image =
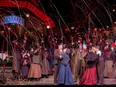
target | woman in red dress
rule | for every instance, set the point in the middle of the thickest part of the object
(90, 75)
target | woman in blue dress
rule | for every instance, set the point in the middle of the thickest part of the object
(64, 73)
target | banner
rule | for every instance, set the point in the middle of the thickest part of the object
(12, 20)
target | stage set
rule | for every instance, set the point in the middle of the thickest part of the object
(63, 42)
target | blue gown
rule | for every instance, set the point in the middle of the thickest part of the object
(64, 72)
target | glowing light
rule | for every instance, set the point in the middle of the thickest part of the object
(13, 20)
(2, 31)
(114, 10)
(16, 43)
(107, 26)
(27, 15)
(9, 28)
(115, 22)
(95, 29)
(72, 28)
(99, 29)
(48, 26)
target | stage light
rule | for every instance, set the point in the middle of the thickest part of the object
(72, 28)
(9, 28)
(16, 43)
(99, 29)
(48, 26)
(95, 29)
(107, 26)
(2, 31)
(27, 15)
(114, 10)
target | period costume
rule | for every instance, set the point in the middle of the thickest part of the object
(35, 68)
(56, 63)
(64, 73)
(51, 61)
(51, 57)
(100, 67)
(25, 65)
(80, 63)
(113, 57)
(73, 62)
(17, 63)
(90, 75)
(108, 71)
(45, 64)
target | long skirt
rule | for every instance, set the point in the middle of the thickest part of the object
(89, 77)
(115, 70)
(35, 71)
(25, 70)
(45, 67)
(73, 67)
(79, 69)
(65, 75)
(55, 73)
(83, 68)
(51, 64)
(100, 71)
(51, 61)
(108, 71)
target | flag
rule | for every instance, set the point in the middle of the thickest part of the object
(84, 45)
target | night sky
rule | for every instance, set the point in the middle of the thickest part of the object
(68, 11)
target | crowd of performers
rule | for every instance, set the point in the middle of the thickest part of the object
(32, 64)
(88, 64)
(72, 62)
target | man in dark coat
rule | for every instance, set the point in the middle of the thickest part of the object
(113, 57)
(57, 53)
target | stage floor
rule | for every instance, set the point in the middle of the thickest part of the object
(43, 81)
(50, 81)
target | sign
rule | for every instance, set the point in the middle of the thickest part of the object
(12, 20)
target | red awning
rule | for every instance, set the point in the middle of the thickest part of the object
(25, 4)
